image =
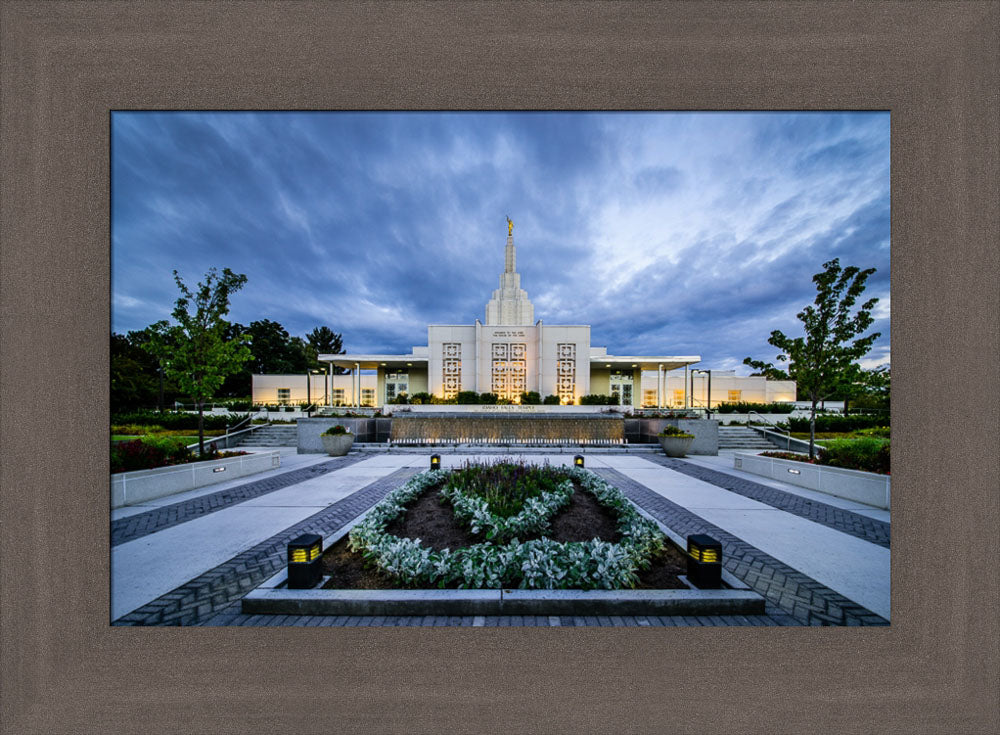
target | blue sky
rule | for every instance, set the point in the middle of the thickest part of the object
(668, 233)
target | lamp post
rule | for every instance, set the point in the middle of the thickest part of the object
(708, 395)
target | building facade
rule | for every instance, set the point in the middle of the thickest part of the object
(511, 354)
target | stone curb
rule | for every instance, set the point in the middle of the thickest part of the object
(502, 602)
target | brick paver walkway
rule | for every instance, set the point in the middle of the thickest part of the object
(142, 524)
(213, 598)
(800, 596)
(214, 590)
(845, 521)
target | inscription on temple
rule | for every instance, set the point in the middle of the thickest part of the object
(509, 333)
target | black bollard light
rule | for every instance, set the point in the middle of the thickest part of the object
(704, 563)
(304, 562)
(578, 460)
(435, 461)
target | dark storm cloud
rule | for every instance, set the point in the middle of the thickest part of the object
(669, 234)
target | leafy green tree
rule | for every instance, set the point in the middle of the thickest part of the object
(136, 380)
(195, 352)
(324, 341)
(825, 359)
(271, 348)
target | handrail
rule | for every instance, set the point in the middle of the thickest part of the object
(238, 424)
(212, 442)
(786, 432)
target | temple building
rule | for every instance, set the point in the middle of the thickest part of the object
(510, 354)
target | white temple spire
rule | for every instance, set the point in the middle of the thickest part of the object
(510, 304)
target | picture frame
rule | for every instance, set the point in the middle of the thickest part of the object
(67, 65)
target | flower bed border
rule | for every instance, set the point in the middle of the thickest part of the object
(538, 564)
(273, 597)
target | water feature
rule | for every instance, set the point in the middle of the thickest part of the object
(599, 429)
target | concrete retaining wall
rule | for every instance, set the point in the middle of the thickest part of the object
(364, 430)
(129, 488)
(706, 433)
(869, 488)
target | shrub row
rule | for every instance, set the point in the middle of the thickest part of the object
(851, 422)
(149, 452)
(745, 407)
(174, 419)
(869, 454)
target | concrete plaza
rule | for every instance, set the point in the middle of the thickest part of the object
(188, 559)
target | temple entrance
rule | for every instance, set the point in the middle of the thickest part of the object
(622, 383)
(395, 383)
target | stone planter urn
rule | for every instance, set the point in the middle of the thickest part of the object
(337, 445)
(676, 446)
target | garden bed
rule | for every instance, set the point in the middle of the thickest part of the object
(572, 546)
(433, 523)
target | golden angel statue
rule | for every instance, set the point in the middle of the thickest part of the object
(510, 227)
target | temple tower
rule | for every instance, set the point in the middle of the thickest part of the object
(510, 304)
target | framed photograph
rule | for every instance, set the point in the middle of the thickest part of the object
(920, 80)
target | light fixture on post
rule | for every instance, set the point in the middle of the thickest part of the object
(578, 460)
(304, 561)
(704, 562)
(435, 461)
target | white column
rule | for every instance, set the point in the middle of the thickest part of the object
(686, 397)
(659, 380)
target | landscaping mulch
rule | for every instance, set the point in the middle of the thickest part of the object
(434, 523)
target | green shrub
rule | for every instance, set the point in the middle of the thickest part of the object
(467, 397)
(747, 407)
(174, 419)
(869, 454)
(835, 423)
(670, 430)
(335, 431)
(551, 400)
(487, 399)
(420, 398)
(531, 398)
(598, 399)
(148, 452)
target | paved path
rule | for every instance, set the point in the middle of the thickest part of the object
(191, 565)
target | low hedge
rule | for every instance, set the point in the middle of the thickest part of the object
(175, 419)
(868, 454)
(746, 407)
(150, 452)
(851, 422)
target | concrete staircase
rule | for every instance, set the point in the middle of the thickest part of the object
(742, 437)
(275, 435)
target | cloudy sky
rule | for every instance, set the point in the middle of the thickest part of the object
(668, 233)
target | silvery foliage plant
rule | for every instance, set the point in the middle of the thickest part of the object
(535, 564)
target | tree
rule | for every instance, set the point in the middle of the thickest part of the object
(825, 359)
(136, 380)
(324, 341)
(195, 352)
(269, 343)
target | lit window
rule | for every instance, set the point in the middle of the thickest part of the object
(679, 397)
(735, 396)
(367, 396)
(338, 396)
(284, 395)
